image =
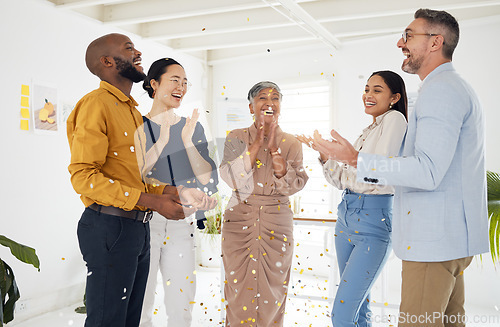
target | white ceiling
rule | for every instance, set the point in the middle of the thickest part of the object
(222, 29)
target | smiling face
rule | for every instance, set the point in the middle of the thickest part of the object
(378, 96)
(268, 103)
(128, 59)
(417, 47)
(171, 87)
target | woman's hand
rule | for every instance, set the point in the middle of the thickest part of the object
(188, 129)
(272, 143)
(309, 141)
(195, 198)
(164, 133)
(337, 149)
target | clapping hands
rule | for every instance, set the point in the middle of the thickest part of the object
(337, 148)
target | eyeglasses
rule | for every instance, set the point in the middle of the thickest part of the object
(407, 34)
(185, 84)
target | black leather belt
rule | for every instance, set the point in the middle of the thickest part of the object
(138, 215)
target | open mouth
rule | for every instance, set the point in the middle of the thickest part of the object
(177, 95)
(137, 61)
(268, 111)
(370, 104)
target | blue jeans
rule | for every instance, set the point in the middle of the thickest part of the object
(362, 243)
(116, 251)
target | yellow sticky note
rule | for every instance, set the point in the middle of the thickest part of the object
(25, 125)
(25, 113)
(25, 102)
(25, 90)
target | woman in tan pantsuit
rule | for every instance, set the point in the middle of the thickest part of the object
(263, 165)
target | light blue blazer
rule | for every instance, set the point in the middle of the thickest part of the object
(440, 207)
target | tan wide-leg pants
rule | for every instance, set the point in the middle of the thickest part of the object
(433, 294)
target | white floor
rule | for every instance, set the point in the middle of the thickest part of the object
(301, 311)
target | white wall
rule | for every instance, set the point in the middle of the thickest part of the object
(352, 65)
(41, 209)
(39, 206)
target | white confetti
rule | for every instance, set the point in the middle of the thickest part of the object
(124, 298)
(126, 134)
(278, 264)
(211, 180)
(116, 153)
(111, 181)
(132, 148)
(91, 185)
(126, 193)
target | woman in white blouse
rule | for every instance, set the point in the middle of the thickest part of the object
(363, 229)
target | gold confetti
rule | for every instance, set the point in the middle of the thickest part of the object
(409, 247)
(203, 29)
(244, 308)
(63, 258)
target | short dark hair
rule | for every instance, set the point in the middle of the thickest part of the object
(445, 21)
(397, 85)
(158, 68)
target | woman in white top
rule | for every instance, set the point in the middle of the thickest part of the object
(363, 229)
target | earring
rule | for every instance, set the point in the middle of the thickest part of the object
(154, 93)
(390, 106)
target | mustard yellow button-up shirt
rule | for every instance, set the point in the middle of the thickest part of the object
(104, 163)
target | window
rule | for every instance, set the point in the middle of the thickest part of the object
(303, 110)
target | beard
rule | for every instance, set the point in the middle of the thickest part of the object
(412, 66)
(128, 70)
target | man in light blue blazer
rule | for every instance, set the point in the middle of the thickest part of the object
(440, 208)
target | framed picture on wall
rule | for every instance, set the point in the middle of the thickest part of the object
(45, 108)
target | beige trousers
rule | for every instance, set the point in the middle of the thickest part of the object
(433, 294)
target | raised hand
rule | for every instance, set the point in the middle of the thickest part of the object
(337, 149)
(164, 133)
(272, 144)
(307, 140)
(188, 129)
